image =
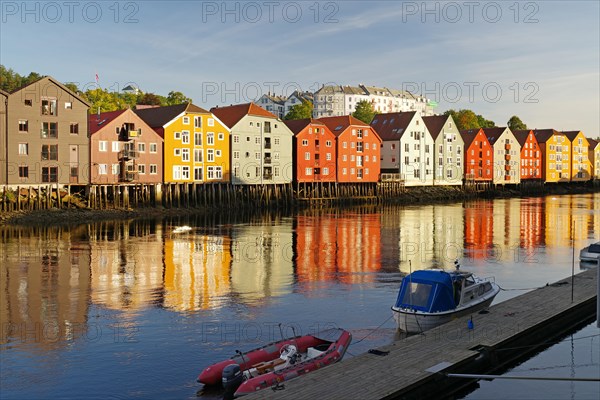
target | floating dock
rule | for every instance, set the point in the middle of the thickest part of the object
(415, 367)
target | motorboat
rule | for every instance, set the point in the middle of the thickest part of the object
(277, 362)
(429, 298)
(590, 253)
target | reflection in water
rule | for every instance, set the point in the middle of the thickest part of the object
(55, 283)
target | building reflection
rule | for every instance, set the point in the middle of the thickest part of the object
(532, 223)
(44, 286)
(479, 229)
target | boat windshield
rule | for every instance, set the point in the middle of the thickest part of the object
(417, 294)
(594, 248)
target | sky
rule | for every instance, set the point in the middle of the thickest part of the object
(539, 60)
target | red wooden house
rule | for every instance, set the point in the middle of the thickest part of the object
(479, 156)
(358, 149)
(531, 155)
(313, 152)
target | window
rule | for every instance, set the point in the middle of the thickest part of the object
(23, 149)
(153, 147)
(236, 138)
(115, 169)
(23, 125)
(23, 171)
(186, 120)
(276, 140)
(176, 172)
(142, 147)
(210, 173)
(185, 154)
(325, 171)
(307, 155)
(153, 169)
(185, 173)
(68, 105)
(115, 147)
(221, 136)
(344, 157)
(359, 134)
(48, 106)
(304, 142)
(276, 171)
(359, 146)
(102, 169)
(345, 145)
(50, 152)
(50, 174)
(197, 122)
(28, 102)
(308, 171)
(185, 137)
(210, 138)
(177, 135)
(267, 127)
(218, 153)
(197, 155)
(257, 140)
(219, 172)
(211, 122)
(328, 143)
(74, 128)
(210, 155)
(197, 139)
(177, 152)
(198, 174)
(142, 169)
(328, 156)
(49, 130)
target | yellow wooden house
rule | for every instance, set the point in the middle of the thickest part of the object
(594, 154)
(196, 143)
(581, 165)
(556, 155)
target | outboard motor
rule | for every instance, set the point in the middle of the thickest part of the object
(232, 378)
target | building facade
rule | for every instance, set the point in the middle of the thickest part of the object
(507, 155)
(3, 133)
(556, 151)
(195, 143)
(261, 145)
(531, 155)
(448, 159)
(407, 147)
(314, 151)
(594, 155)
(358, 149)
(581, 166)
(47, 135)
(479, 156)
(124, 149)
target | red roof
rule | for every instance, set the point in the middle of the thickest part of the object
(391, 126)
(99, 121)
(231, 115)
(297, 125)
(337, 125)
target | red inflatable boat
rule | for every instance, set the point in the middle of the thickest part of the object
(277, 362)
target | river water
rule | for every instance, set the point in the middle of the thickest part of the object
(136, 309)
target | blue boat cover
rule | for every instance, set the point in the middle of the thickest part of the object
(427, 290)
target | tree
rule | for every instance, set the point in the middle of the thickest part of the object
(464, 119)
(364, 111)
(485, 123)
(149, 99)
(515, 123)
(101, 100)
(174, 98)
(300, 111)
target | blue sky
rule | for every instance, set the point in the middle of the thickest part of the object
(539, 60)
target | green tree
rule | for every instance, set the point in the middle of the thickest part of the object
(101, 100)
(485, 123)
(174, 98)
(149, 99)
(300, 111)
(464, 119)
(364, 111)
(515, 123)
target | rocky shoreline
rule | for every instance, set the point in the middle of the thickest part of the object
(420, 195)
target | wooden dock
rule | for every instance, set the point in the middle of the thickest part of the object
(507, 332)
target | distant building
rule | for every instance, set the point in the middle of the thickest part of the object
(297, 98)
(273, 104)
(479, 156)
(124, 149)
(531, 155)
(261, 145)
(507, 155)
(358, 149)
(594, 155)
(47, 135)
(342, 100)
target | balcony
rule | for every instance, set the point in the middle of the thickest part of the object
(507, 167)
(128, 155)
(128, 176)
(507, 146)
(127, 135)
(507, 157)
(267, 160)
(267, 145)
(507, 177)
(267, 176)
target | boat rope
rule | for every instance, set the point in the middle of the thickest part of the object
(367, 335)
(531, 288)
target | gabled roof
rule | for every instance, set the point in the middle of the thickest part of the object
(435, 124)
(542, 135)
(297, 125)
(522, 135)
(57, 83)
(158, 117)
(231, 115)
(337, 125)
(592, 144)
(2, 92)
(275, 99)
(99, 121)
(493, 134)
(469, 136)
(571, 134)
(391, 126)
(303, 96)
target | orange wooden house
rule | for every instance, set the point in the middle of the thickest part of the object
(531, 155)
(358, 149)
(479, 156)
(314, 151)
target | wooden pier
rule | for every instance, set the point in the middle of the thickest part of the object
(415, 367)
